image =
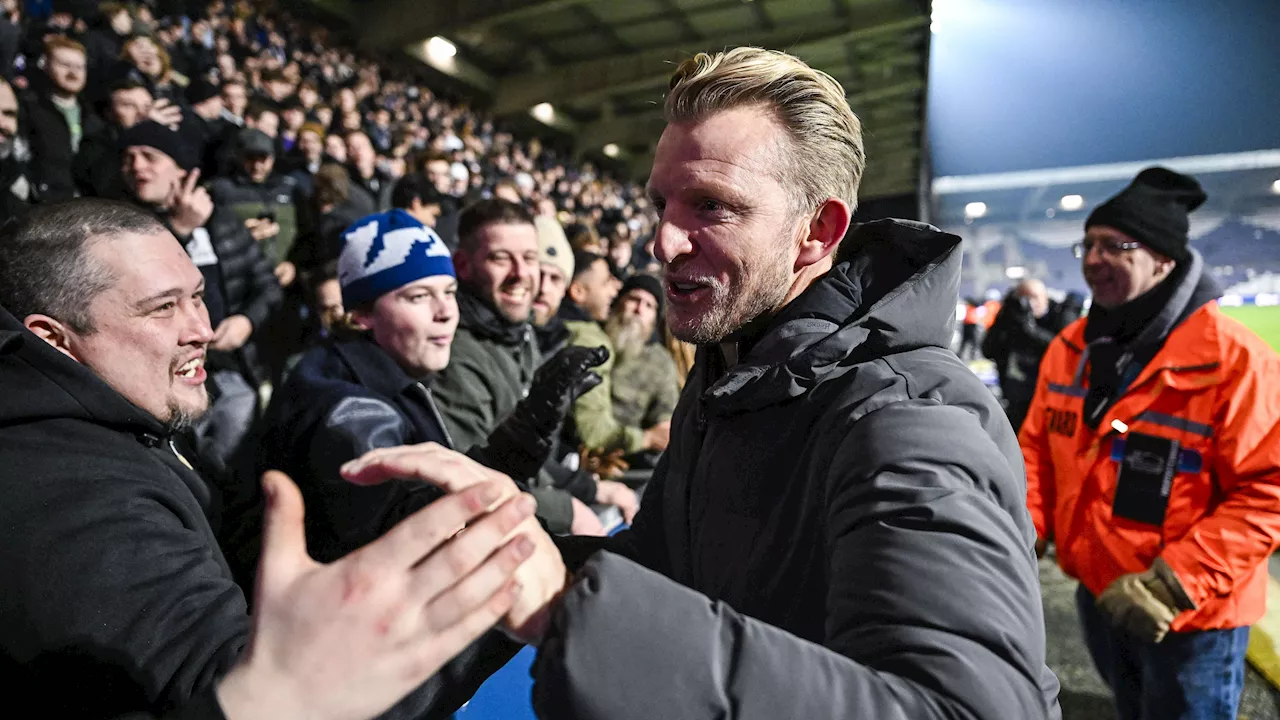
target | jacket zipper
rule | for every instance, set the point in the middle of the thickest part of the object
(435, 413)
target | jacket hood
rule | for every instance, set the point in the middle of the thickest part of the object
(893, 288)
(41, 383)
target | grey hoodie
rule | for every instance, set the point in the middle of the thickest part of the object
(838, 529)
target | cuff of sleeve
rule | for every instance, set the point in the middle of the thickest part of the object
(555, 509)
(1176, 568)
(632, 439)
(1170, 580)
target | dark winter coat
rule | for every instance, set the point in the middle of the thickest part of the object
(249, 200)
(248, 283)
(50, 138)
(1016, 343)
(96, 167)
(843, 514)
(341, 401)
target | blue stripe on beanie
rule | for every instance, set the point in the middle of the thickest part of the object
(386, 251)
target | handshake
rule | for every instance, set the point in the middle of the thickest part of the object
(349, 639)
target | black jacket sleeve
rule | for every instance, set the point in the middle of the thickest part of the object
(933, 607)
(353, 427)
(643, 542)
(245, 268)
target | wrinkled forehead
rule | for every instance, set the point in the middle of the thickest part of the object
(733, 145)
(516, 238)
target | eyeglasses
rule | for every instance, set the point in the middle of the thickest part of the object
(1106, 247)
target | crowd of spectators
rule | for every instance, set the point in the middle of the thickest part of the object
(258, 137)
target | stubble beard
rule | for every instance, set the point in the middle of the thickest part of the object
(759, 292)
(182, 417)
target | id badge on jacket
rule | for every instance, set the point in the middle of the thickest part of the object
(1145, 478)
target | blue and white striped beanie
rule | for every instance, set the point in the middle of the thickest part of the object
(386, 251)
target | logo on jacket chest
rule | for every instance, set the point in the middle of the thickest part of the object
(1061, 422)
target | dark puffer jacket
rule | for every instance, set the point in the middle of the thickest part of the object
(249, 200)
(249, 286)
(838, 528)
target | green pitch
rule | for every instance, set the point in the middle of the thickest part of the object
(1263, 320)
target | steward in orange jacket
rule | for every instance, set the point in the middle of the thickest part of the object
(1152, 450)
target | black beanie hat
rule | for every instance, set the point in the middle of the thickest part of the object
(646, 282)
(1153, 210)
(200, 90)
(150, 133)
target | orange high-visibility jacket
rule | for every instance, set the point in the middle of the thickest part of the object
(1215, 388)
(990, 309)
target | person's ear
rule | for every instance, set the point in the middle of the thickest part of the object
(577, 292)
(359, 320)
(52, 331)
(462, 266)
(827, 227)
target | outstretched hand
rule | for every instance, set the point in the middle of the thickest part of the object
(349, 639)
(541, 579)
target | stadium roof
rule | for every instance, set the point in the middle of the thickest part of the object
(603, 65)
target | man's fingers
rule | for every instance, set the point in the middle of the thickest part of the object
(434, 649)
(351, 469)
(451, 604)
(189, 184)
(430, 463)
(284, 540)
(465, 551)
(418, 535)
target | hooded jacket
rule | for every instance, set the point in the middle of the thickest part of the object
(116, 595)
(843, 516)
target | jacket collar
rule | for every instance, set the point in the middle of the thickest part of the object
(373, 368)
(892, 289)
(572, 312)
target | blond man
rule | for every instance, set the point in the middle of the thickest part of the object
(838, 528)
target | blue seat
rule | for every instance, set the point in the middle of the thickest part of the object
(506, 695)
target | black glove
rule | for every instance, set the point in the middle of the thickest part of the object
(558, 383)
(521, 444)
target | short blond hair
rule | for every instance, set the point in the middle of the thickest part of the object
(824, 156)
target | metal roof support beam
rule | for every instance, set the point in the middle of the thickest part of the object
(1193, 165)
(602, 77)
(393, 23)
